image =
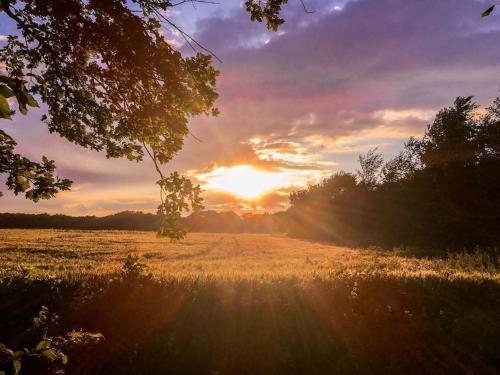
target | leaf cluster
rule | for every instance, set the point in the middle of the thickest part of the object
(35, 180)
(50, 352)
(134, 268)
(178, 195)
(268, 11)
(109, 78)
(14, 87)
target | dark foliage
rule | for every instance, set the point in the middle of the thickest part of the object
(441, 191)
(342, 326)
(47, 353)
(36, 180)
(121, 221)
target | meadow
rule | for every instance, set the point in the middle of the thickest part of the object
(249, 304)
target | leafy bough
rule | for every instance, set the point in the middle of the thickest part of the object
(50, 352)
(111, 82)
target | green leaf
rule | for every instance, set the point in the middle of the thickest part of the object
(31, 101)
(16, 365)
(64, 358)
(23, 183)
(6, 91)
(3, 373)
(50, 354)
(5, 111)
(18, 354)
(42, 345)
(488, 11)
(23, 109)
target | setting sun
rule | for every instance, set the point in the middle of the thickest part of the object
(243, 180)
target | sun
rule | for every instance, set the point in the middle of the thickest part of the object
(244, 181)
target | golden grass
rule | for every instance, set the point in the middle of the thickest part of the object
(80, 254)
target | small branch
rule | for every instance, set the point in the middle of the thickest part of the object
(305, 8)
(186, 36)
(195, 137)
(195, 1)
(152, 155)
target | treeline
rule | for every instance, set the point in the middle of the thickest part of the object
(204, 221)
(228, 221)
(441, 191)
(126, 220)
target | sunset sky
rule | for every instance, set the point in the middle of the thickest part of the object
(296, 105)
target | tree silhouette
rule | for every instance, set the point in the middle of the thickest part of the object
(440, 192)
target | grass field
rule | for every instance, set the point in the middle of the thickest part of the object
(251, 304)
(79, 254)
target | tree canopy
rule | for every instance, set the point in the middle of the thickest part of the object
(440, 192)
(111, 82)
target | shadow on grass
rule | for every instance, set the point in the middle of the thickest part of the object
(342, 326)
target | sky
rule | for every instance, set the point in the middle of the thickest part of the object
(296, 105)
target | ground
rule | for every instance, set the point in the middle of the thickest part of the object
(250, 304)
(228, 256)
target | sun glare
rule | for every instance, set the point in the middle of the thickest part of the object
(243, 180)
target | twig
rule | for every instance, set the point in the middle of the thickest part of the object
(195, 1)
(187, 36)
(305, 8)
(195, 137)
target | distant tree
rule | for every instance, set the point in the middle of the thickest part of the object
(370, 164)
(199, 221)
(451, 139)
(488, 134)
(111, 83)
(402, 166)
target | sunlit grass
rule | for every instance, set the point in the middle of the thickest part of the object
(250, 304)
(81, 254)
